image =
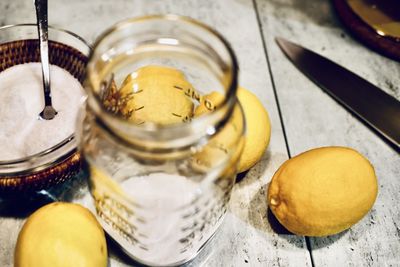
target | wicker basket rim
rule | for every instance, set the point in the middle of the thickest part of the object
(50, 27)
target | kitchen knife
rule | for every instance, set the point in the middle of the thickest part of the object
(372, 105)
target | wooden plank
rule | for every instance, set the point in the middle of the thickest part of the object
(246, 237)
(313, 119)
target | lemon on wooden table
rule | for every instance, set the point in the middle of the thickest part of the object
(228, 139)
(323, 191)
(158, 94)
(258, 126)
(61, 235)
(258, 129)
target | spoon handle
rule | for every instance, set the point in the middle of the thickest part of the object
(41, 17)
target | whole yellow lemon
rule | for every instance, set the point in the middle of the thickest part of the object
(258, 125)
(158, 94)
(61, 235)
(323, 191)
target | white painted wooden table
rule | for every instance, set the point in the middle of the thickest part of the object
(303, 117)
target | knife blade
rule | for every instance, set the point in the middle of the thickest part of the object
(372, 105)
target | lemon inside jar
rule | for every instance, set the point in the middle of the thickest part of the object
(162, 95)
(152, 94)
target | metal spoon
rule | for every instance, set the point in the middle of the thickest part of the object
(48, 112)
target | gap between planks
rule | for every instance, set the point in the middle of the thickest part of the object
(264, 43)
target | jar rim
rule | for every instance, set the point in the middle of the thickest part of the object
(231, 87)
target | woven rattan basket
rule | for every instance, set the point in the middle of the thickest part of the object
(65, 166)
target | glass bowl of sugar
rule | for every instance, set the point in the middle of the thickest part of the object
(36, 154)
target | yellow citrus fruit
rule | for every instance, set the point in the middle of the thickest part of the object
(61, 235)
(258, 129)
(208, 103)
(228, 140)
(101, 181)
(159, 95)
(323, 191)
(258, 126)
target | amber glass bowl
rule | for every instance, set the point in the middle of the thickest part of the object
(18, 45)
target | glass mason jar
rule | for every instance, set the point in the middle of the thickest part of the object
(161, 175)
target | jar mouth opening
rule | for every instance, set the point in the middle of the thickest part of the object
(226, 105)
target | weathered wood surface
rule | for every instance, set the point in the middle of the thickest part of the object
(246, 237)
(312, 119)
